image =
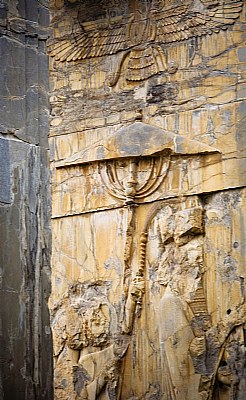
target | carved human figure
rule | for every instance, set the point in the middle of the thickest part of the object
(183, 313)
(198, 360)
(87, 345)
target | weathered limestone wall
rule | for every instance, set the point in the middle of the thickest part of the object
(25, 237)
(148, 168)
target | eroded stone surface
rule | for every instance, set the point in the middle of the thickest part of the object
(147, 150)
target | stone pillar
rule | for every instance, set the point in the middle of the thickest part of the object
(148, 162)
(25, 237)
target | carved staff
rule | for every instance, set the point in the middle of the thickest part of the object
(132, 193)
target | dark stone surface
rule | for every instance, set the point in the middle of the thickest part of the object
(24, 73)
(159, 93)
(26, 345)
(4, 172)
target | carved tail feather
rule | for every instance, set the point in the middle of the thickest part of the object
(115, 76)
(144, 63)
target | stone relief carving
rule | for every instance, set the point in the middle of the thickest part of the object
(103, 371)
(224, 375)
(194, 353)
(140, 36)
(85, 333)
(137, 181)
(180, 269)
(146, 182)
(87, 323)
(94, 336)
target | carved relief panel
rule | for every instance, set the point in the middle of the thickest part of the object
(144, 327)
(139, 31)
(133, 319)
(148, 277)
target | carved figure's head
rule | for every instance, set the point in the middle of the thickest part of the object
(188, 223)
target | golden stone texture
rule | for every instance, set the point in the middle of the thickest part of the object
(149, 200)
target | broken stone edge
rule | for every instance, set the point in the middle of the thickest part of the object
(137, 140)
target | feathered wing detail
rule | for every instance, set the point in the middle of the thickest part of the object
(174, 25)
(91, 40)
(143, 37)
(144, 63)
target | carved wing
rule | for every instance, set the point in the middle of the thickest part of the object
(172, 24)
(178, 24)
(91, 40)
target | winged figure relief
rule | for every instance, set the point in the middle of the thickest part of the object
(142, 36)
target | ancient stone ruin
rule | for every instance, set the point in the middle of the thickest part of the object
(147, 163)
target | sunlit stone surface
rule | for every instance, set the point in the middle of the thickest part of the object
(148, 175)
